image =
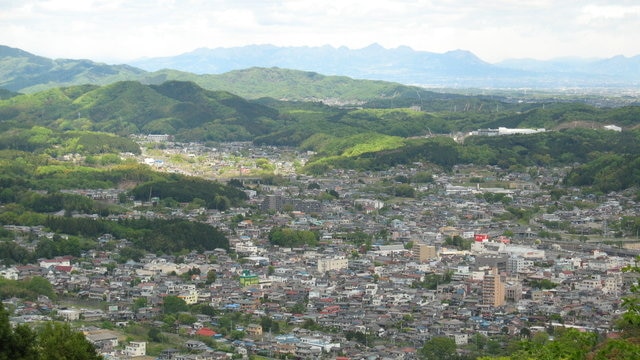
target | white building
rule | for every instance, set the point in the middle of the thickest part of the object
(69, 314)
(336, 263)
(590, 284)
(158, 137)
(319, 342)
(246, 248)
(613, 128)
(505, 131)
(58, 261)
(9, 273)
(460, 338)
(136, 348)
(515, 264)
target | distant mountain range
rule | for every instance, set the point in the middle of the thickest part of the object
(23, 72)
(461, 69)
(296, 73)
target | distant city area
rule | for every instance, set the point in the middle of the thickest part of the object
(401, 257)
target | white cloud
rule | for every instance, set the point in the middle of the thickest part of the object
(611, 12)
(493, 29)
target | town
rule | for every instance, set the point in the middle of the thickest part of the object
(478, 255)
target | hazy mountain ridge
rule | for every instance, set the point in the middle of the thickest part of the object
(374, 62)
(245, 71)
(456, 68)
(618, 66)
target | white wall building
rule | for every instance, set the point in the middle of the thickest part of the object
(59, 261)
(136, 348)
(336, 263)
(9, 273)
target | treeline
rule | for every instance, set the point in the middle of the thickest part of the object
(20, 170)
(80, 234)
(549, 148)
(442, 151)
(185, 189)
(28, 289)
(607, 172)
(57, 142)
(12, 252)
(552, 116)
(153, 235)
(55, 202)
(603, 160)
(287, 237)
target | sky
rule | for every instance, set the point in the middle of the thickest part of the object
(115, 31)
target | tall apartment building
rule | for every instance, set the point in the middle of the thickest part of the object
(493, 288)
(424, 252)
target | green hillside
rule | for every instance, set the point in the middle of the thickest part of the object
(79, 119)
(21, 71)
(178, 108)
(191, 113)
(34, 191)
(286, 84)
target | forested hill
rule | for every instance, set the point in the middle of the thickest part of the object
(404, 127)
(191, 113)
(181, 109)
(304, 86)
(23, 72)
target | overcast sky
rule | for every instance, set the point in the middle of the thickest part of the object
(119, 30)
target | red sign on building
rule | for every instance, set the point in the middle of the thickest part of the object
(481, 237)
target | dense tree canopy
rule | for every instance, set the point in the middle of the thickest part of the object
(173, 305)
(186, 189)
(154, 235)
(287, 237)
(439, 348)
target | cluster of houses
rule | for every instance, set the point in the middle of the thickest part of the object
(409, 283)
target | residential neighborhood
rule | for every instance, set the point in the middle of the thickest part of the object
(471, 251)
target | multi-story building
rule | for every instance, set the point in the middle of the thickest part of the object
(249, 279)
(612, 284)
(279, 203)
(515, 264)
(136, 348)
(190, 297)
(336, 263)
(513, 291)
(492, 261)
(424, 252)
(493, 288)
